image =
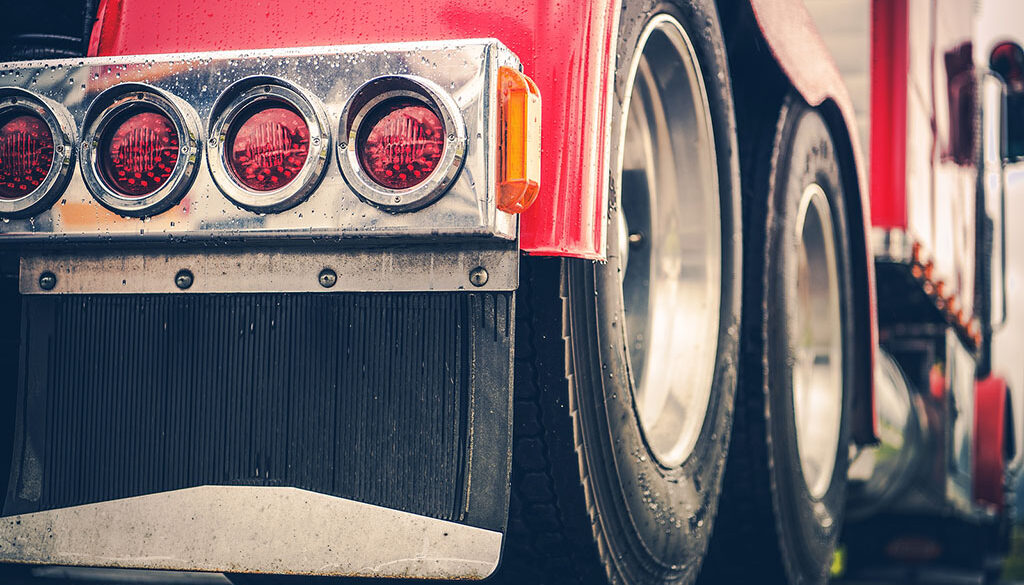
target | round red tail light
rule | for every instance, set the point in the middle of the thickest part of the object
(140, 149)
(138, 152)
(406, 142)
(26, 153)
(267, 146)
(37, 138)
(400, 143)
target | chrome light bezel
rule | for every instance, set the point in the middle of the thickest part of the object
(362, 102)
(108, 107)
(236, 100)
(62, 130)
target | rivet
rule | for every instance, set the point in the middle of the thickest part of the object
(47, 280)
(478, 276)
(327, 278)
(184, 279)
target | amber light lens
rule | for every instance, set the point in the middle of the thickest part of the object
(400, 143)
(267, 147)
(138, 152)
(519, 128)
(26, 153)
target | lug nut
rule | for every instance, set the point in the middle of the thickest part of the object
(47, 280)
(184, 279)
(478, 276)
(327, 278)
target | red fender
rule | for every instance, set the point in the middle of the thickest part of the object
(990, 416)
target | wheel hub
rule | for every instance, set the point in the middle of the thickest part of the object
(670, 242)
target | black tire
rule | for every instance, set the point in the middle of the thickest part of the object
(770, 529)
(589, 502)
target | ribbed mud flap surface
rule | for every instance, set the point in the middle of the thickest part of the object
(363, 396)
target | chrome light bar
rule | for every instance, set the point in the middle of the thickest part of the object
(208, 203)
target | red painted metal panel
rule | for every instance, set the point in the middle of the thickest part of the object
(990, 441)
(565, 47)
(889, 64)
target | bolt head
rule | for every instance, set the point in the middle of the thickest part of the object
(184, 279)
(327, 278)
(47, 280)
(478, 276)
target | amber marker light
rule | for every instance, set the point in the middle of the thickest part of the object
(519, 141)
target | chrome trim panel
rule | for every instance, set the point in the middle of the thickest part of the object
(464, 69)
(251, 529)
(436, 267)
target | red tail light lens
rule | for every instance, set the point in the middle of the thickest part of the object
(400, 143)
(26, 153)
(138, 152)
(267, 147)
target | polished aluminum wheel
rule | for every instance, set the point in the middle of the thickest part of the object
(670, 241)
(818, 343)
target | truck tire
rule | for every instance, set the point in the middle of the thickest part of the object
(785, 481)
(626, 370)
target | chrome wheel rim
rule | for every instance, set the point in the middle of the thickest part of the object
(670, 241)
(818, 344)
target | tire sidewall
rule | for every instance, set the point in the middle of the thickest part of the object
(807, 527)
(657, 520)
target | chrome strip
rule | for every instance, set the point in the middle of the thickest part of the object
(437, 267)
(251, 529)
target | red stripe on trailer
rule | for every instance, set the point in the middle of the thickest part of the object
(889, 64)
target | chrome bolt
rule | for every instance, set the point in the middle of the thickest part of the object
(343, 145)
(478, 276)
(327, 278)
(184, 279)
(213, 141)
(47, 280)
